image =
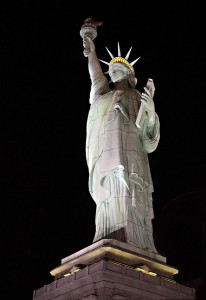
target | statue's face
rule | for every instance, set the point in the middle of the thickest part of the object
(118, 72)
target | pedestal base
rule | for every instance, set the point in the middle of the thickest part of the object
(110, 269)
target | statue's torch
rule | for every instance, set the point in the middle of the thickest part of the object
(89, 28)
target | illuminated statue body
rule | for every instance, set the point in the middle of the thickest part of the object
(116, 149)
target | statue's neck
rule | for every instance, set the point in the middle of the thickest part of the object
(122, 85)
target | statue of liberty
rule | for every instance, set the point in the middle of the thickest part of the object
(117, 147)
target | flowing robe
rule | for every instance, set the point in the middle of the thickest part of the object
(120, 181)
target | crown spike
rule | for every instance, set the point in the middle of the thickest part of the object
(112, 56)
(119, 51)
(106, 63)
(128, 54)
(134, 62)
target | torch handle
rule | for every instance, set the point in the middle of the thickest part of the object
(88, 31)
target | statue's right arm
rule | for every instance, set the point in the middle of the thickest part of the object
(94, 66)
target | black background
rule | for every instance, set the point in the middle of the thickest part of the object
(46, 210)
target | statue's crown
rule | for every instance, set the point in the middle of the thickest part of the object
(120, 59)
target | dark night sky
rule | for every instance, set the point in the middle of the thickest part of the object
(46, 210)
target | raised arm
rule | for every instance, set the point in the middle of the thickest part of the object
(93, 62)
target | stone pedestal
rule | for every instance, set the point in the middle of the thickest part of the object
(110, 269)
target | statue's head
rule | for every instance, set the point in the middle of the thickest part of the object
(120, 68)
